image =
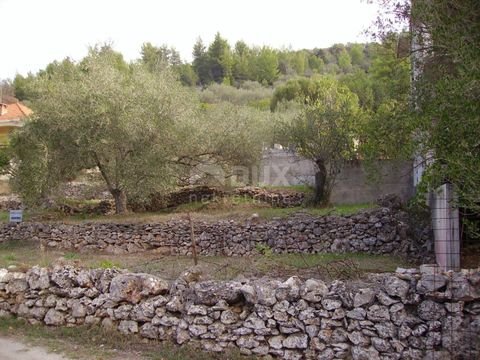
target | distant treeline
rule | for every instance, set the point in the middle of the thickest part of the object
(373, 71)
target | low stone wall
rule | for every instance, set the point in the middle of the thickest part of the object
(157, 202)
(407, 315)
(104, 207)
(79, 191)
(274, 197)
(10, 202)
(376, 231)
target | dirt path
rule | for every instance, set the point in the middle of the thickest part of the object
(14, 350)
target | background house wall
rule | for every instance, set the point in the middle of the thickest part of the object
(4, 131)
(284, 168)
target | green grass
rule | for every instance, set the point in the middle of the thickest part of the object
(70, 256)
(365, 262)
(346, 209)
(96, 343)
(236, 207)
(220, 204)
(327, 267)
(25, 254)
(269, 213)
(299, 188)
(82, 217)
(107, 264)
(10, 258)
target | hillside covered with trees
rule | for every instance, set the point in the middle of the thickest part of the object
(373, 71)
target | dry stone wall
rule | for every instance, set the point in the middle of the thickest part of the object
(274, 197)
(377, 231)
(10, 202)
(411, 314)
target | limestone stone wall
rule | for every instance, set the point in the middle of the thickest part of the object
(9, 202)
(377, 231)
(411, 314)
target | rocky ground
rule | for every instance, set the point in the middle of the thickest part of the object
(13, 349)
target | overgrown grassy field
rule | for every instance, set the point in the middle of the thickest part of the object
(227, 208)
(24, 254)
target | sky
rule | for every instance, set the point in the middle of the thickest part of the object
(37, 32)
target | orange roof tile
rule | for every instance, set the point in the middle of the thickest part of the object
(15, 111)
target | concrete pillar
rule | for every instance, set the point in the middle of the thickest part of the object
(445, 223)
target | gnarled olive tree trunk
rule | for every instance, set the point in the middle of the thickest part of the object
(120, 201)
(322, 190)
(119, 195)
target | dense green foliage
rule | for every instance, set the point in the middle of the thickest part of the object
(375, 72)
(221, 63)
(251, 93)
(444, 115)
(449, 95)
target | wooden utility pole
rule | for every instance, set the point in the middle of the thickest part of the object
(194, 244)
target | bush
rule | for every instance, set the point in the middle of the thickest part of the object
(248, 94)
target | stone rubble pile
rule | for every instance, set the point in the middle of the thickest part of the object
(92, 189)
(274, 197)
(10, 202)
(411, 314)
(104, 207)
(157, 202)
(376, 231)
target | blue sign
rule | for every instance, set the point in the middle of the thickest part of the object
(16, 216)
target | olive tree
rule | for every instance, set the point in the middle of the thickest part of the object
(106, 114)
(324, 131)
(226, 137)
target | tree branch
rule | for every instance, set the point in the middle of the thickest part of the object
(103, 171)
